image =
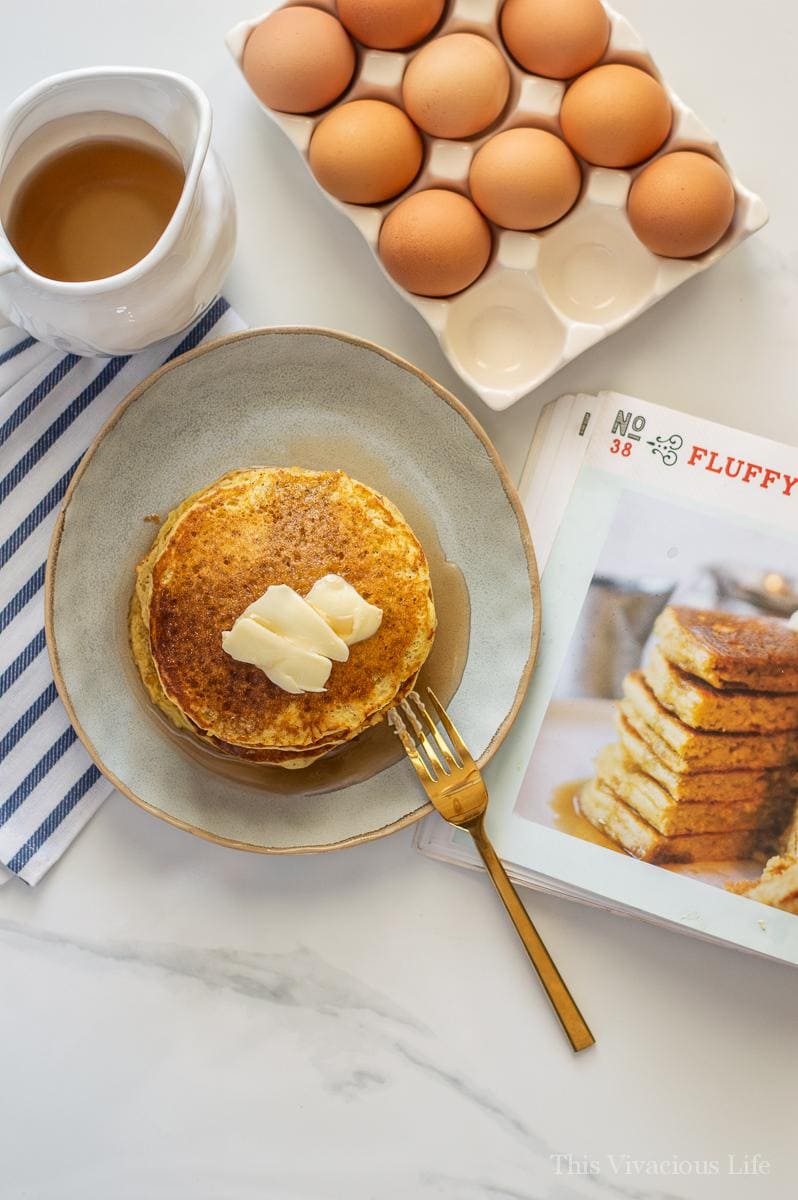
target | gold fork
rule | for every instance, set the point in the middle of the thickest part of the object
(451, 779)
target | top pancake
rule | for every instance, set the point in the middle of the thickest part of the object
(225, 545)
(728, 650)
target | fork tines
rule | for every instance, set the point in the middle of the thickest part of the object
(439, 756)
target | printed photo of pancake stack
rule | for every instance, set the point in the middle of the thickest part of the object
(705, 768)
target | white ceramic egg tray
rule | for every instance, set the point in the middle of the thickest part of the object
(544, 297)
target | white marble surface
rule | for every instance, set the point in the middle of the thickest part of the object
(180, 1020)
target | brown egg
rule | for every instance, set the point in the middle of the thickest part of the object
(365, 151)
(524, 179)
(391, 26)
(681, 204)
(557, 38)
(298, 60)
(435, 243)
(615, 116)
(456, 85)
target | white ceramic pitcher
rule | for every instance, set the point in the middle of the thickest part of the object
(171, 286)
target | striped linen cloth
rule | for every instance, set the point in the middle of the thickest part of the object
(51, 407)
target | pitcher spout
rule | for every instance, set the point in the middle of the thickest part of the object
(179, 110)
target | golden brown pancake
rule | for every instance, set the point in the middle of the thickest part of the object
(706, 764)
(704, 787)
(686, 749)
(617, 771)
(729, 650)
(140, 646)
(220, 550)
(701, 706)
(623, 825)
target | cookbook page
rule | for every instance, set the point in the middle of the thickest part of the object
(653, 763)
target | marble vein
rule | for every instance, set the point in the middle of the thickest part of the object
(302, 980)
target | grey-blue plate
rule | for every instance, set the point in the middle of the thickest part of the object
(302, 397)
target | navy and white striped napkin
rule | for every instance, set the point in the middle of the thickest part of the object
(51, 406)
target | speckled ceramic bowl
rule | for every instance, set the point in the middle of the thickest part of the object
(316, 399)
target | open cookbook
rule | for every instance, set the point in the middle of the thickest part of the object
(653, 769)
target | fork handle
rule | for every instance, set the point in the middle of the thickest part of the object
(571, 1019)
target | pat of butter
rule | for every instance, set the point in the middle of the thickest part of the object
(793, 621)
(295, 641)
(290, 666)
(283, 610)
(344, 609)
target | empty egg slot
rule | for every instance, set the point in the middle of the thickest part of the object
(502, 334)
(593, 269)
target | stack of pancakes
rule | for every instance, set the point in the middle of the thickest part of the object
(219, 551)
(705, 766)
